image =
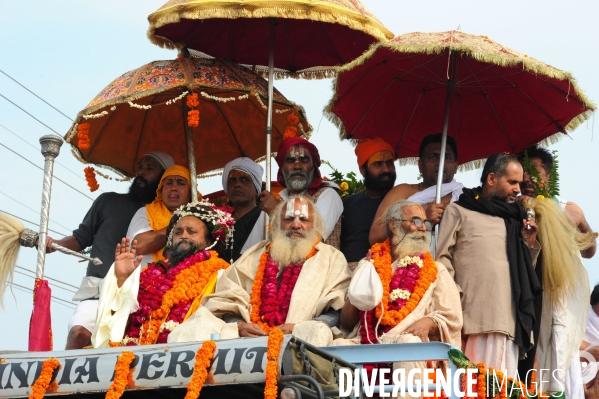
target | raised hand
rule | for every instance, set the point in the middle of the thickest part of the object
(125, 261)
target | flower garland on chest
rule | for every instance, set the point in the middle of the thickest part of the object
(270, 298)
(402, 290)
(165, 295)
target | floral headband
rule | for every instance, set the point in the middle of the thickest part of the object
(207, 212)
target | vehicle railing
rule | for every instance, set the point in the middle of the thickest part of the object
(359, 355)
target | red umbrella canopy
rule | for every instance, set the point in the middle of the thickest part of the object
(309, 33)
(502, 100)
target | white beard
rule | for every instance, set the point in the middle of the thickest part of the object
(414, 243)
(286, 250)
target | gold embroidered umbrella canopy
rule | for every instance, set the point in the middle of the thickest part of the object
(488, 97)
(300, 38)
(148, 109)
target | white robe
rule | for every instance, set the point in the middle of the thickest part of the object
(322, 285)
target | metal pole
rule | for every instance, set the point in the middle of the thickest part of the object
(191, 158)
(448, 91)
(271, 66)
(50, 150)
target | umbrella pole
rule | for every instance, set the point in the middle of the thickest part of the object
(271, 63)
(271, 67)
(448, 92)
(191, 159)
(50, 150)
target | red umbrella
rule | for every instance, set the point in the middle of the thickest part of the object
(301, 38)
(488, 97)
(40, 326)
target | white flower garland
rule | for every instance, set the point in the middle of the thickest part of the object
(408, 260)
(399, 293)
(174, 100)
(139, 106)
(169, 325)
(94, 116)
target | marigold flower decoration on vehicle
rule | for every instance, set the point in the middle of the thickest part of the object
(193, 115)
(43, 382)
(90, 177)
(201, 369)
(122, 369)
(83, 136)
(275, 338)
(291, 130)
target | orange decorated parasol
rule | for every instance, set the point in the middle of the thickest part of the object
(148, 109)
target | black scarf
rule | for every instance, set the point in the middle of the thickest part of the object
(525, 284)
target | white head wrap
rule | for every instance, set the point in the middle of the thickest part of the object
(164, 160)
(245, 165)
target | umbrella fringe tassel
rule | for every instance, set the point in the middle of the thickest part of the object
(232, 10)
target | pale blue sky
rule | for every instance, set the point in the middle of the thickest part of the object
(67, 51)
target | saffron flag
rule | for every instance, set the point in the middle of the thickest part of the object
(40, 326)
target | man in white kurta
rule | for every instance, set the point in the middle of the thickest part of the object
(438, 314)
(316, 298)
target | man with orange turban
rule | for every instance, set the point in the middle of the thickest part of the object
(376, 162)
(298, 161)
(149, 223)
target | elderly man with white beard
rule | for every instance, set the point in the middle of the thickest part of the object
(398, 293)
(292, 281)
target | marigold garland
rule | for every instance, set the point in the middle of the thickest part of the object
(200, 369)
(41, 385)
(121, 375)
(165, 295)
(90, 177)
(193, 118)
(381, 255)
(256, 299)
(275, 338)
(193, 115)
(83, 135)
(291, 130)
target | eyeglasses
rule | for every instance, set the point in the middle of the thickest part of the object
(418, 223)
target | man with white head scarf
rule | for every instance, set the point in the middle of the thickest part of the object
(242, 182)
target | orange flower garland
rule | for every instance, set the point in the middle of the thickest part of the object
(275, 338)
(193, 115)
(187, 285)
(90, 176)
(200, 369)
(291, 130)
(121, 375)
(256, 300)
(381, 255)
(83, 135)
(41, 385)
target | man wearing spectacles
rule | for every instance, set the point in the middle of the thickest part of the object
(424, 192)
(398, 266)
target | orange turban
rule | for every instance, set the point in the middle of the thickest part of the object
(368, 147)
(158, 214)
